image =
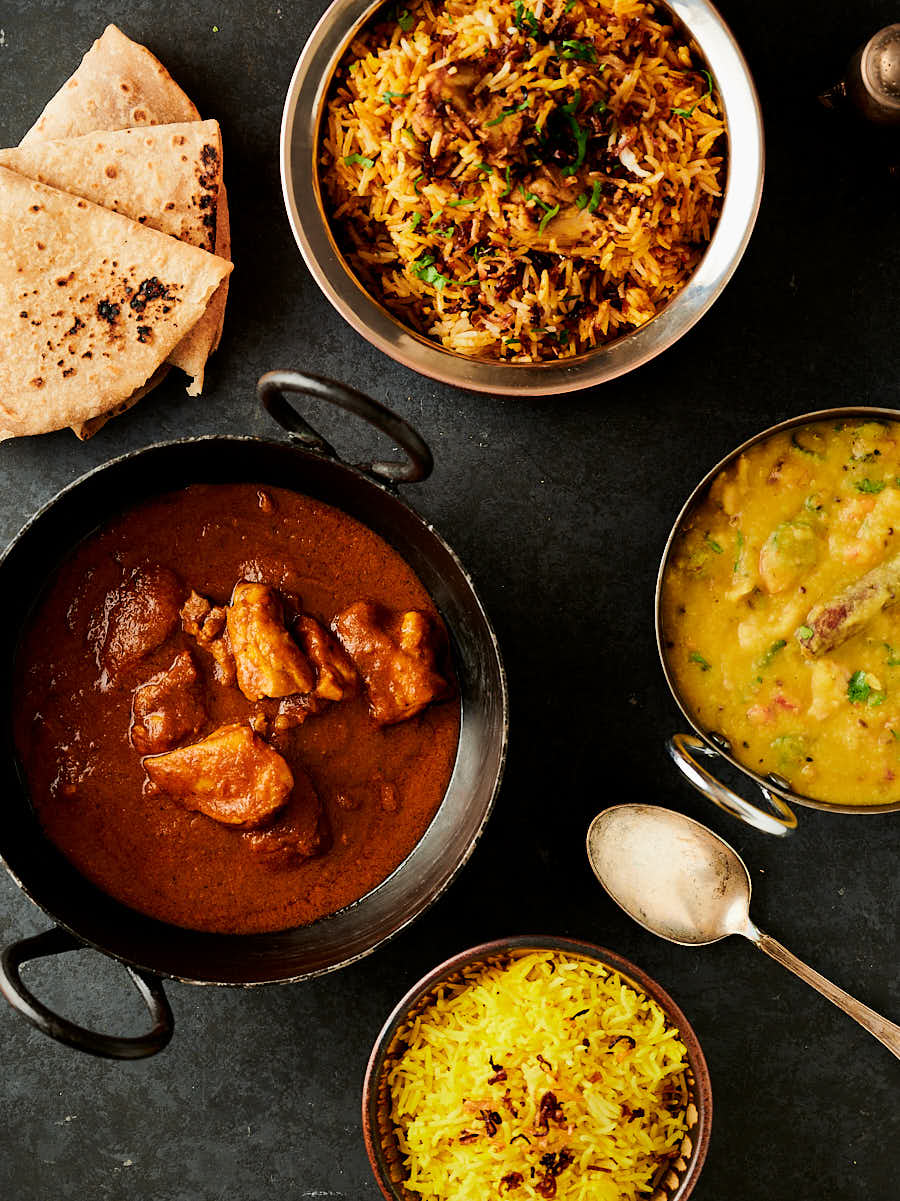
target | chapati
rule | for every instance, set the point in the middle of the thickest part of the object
(91, 304)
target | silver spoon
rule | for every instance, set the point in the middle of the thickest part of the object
(679, 880)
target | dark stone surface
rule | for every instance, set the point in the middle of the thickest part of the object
(560, 509)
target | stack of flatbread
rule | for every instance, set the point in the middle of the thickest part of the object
(114, 245)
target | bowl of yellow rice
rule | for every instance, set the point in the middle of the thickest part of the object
(537, 1068)
(526, 196)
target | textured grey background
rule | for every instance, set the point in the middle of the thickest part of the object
(560, 508)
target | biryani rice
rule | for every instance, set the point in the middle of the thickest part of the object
(469, 1090)
(522, 181)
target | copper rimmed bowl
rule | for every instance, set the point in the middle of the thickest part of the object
(300, 131)
(675, 1181)
(693, 752)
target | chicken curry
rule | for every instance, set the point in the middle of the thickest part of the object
(235, 709)
(779, 614)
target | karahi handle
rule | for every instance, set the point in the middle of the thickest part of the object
(107, 1046)
(684, 749)
(273, 386)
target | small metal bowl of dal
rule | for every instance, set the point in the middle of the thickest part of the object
(675, 1175)
(692, 753)
(301, 130)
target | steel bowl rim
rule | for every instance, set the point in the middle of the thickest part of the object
(697, 494)
(741, 201)
(503, 749)
(701, 1093)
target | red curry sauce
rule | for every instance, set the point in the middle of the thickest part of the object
(379, 785)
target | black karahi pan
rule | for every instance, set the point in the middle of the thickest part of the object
(152, 949)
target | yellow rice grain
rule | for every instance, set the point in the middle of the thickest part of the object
(542, 1074)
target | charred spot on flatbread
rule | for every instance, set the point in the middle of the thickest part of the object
(118, 86)
(148, 290)
(107, 311)
(168, 177)
(209, 179)
(105, 321)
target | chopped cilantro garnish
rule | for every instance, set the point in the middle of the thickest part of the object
(530, 196)
(525, 19)
(581, 201)
(548, 216)
(696, 657)
(893, 660)
(868, 485)
(894, 732)
(570, 4)
(711, 542)
(416, 218)
(485, 168)
(859, 688)
(359, 158)
(600, 107)
(506, 191)
(454, 204)
(689, 112)
(425, 269)
(805, 632)
(435, 218)
(405, 20)
(508, 112)
(583, 52)
(416, 183)
(579, 134)
(790, 748)
(387, 97)
(408, 130)
(595, 196)
(739, 547)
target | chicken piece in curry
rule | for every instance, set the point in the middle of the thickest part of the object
(301, 833)
(206, 623)
(134, 619)
(168, 708)
(336, 676)
(232, 775)
(269, 662)
(248, 716)
(397, 657)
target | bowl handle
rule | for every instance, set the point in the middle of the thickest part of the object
(684, 747)
(55, 942)
(271, 390)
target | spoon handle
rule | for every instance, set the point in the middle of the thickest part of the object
(885, 1031)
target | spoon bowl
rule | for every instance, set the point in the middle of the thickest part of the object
(671, 874)
(681, 881)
